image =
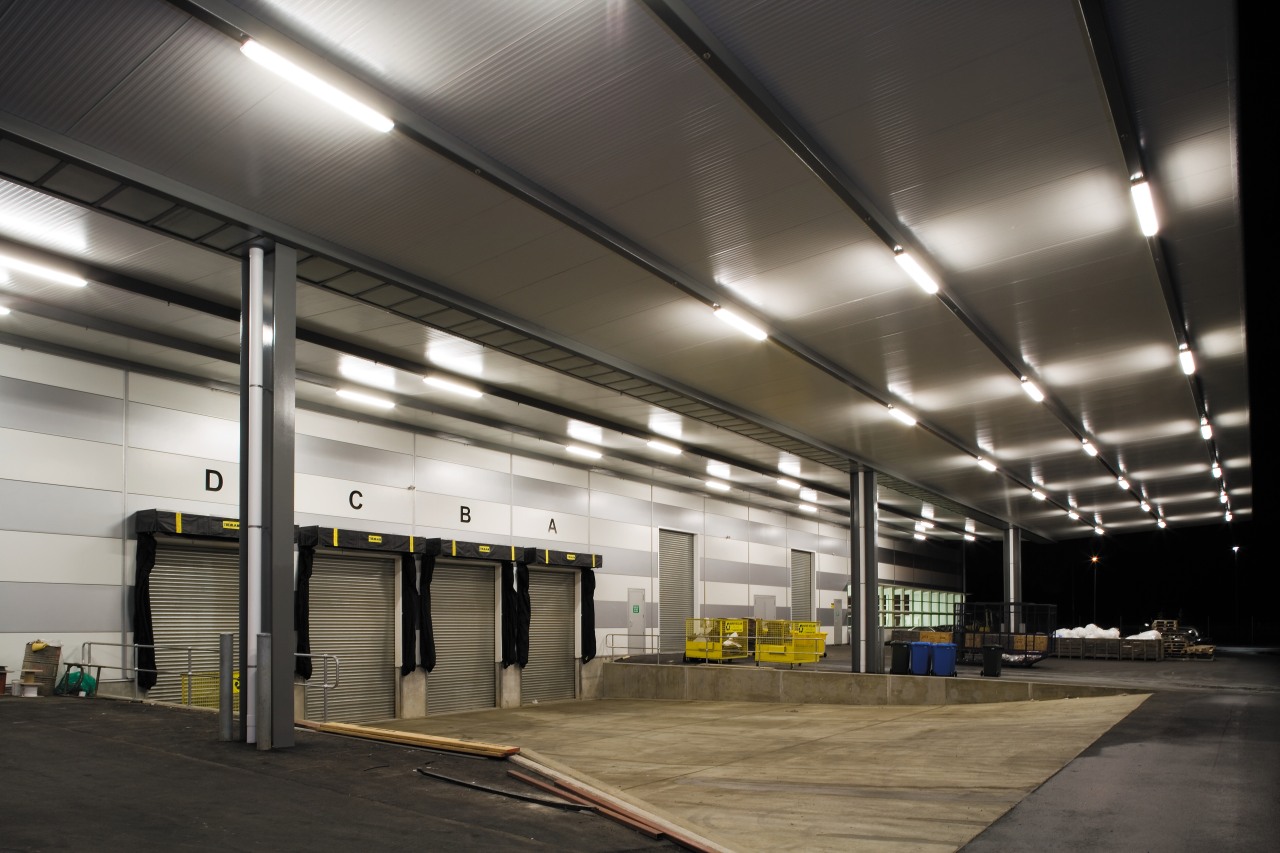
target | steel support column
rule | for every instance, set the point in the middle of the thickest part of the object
(864, 634)
(267, 350)
(1012, 574)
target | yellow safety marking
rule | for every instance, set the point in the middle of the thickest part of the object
(410, 544)
(546, 557)
(455, 548)
(593, 561)
(177, 516)
(335, 537)
(484, 549)
(513, 553)
(230, 524)
(375, 539)
(572, 558)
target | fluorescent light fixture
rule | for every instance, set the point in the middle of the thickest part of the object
(1122, 483)
(364, 371)
(1087, 447)
(1073, 515)
(1037, 494)
(1142, 203)
(584, 452)
(917, 273)
(453, 387)
(1216, 471)
(1161, 523)
(920, 527)
(3, 311)
(663, 447)
(1098, 530)
(788, 484)
(42, 271)
(718, 486)
(902, 416)
(1222, 497)
(1146, 507)
(1033, 390)
(365, 399)
(277, 64)
(718, 469)
(986, 463)
(585, 432)
(809, 495)
(969, 537)
(927, 525)
(1206, 429)
(808, 508)
(747, 328)
(919, 536)
(1187, 359)
(1226, 516)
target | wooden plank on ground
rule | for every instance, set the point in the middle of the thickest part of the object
(470, 747)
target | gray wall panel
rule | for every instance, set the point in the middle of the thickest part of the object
(832, 580)
(49, 410)
(771, 576)
(611, 614)
(726, 611)
(47, 607)
(802, 540)
(724, 527)
(725, 571)
(838, 547)
(343, 461)
(620, 508)
(450, 478)
(767, 534)
(542, 494)
(677, 518)
(624, 561)
(42, 508)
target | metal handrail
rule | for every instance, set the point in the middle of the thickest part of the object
(325, 686)
(86, 656)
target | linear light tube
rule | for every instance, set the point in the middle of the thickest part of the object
(808, 508)
(663, 447)
(1142, 203)
(1087, 447)
(1122, 483)
(969, 537)
(1098, 530)
(1216, 471)
(788, 484)
(1222, 497)
(917, 273)
(1037, 494)
(453, 387)
(810, 495)
(919, 536)
(42, 271)
(902, 416)
(585, 452)
(1206, 429)
(365, 399)
(986, 463)
(1161, 523)
(717, 485)
(1033, 390)
(3, 310)
(1187, 359)
(305, 80)
(1226, 516)
(1146, 507)
(1073, 515)
(747, 328)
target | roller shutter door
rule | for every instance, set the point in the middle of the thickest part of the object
(802, 586)
(675, 587)
(552, 670)
(464, 614)
(353, 617)
(195, 596)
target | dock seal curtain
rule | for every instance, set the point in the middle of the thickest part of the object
(302, 611)
(523, 615)
(510, 615)
(426, 631)
(588, 637)
(144, 633)
(408, 615)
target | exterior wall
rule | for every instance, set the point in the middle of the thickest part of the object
(82, 447)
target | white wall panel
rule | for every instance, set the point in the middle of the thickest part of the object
(183, 478)
(552, 473)
(535, 524)
(50, 410)
(60, 461)
(684, 500)
(619, 486)
(766, 516)
(448, 512)
(354, 432)
(47, 558)
(806, 525)
(727, 593)
(614, 587)
(833, 563)
(468, 481)
(726, 549)
(767, 555)
(833, 531)
(63, 372)
(167, 394)
(326, 496)
(156, 428)
(619, 534)
(464, 454)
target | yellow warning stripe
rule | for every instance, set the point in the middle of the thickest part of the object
(410, 544)
(177, 518)
(513, 553)
(455, 548)
(335, 537)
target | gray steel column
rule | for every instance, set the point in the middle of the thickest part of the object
(268, 296)
(864, 634)
(1012, 575)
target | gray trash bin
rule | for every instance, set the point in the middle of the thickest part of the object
(992, 660)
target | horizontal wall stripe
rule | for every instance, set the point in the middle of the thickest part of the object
(179, 479)
(543, 494)
(623, 561)
(726, 611)
(725, 571)
(677, 518)
(375, 436)
(723, 526)
(767, 534)
(326, 457)
(770, 575)
(839, 547)
(45, 508)
(684, 500)
(61, 372)
(620, 508)
(802, 540)
(464, 481)
(155, 428)
(832, 581)
(612, 614)
(193, 399)
(537, 469)
(619, 534)
(49, 558)
(60, 461)
(49, 410)
(307, 519)
(41, 608)
(429, 447)
(623, 488)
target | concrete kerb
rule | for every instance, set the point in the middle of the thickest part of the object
(766, 684)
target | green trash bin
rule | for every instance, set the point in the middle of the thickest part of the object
(900, 660)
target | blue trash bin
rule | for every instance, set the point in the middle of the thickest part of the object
(921, 655)
(944, 659)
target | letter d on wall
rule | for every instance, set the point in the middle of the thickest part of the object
(212, 480)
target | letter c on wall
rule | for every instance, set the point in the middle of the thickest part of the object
(351, 499)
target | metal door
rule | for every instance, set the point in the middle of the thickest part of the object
(195, 596)
(552, 672)
(675, 587)
(464, 615)
(802, 586)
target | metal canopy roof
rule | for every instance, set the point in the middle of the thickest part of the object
(572, 186)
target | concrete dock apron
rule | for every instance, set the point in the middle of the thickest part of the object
(757, 776)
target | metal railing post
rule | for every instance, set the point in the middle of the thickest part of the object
(191, 678)
(226, 688)
(262, 700)
(324, 690)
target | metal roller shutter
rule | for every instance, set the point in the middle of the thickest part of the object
(464, 614)
(195, 596)
(353, 617)
(802, 586)
(552, 670)
(675, 587)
